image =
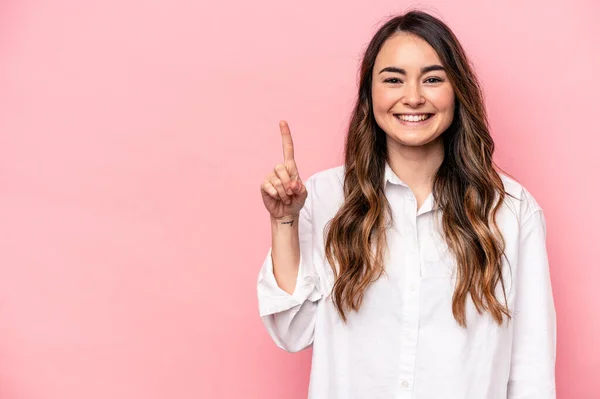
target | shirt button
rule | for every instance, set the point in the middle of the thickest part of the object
(412, 287)
(404, 384)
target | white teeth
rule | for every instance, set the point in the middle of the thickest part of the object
(413, 118)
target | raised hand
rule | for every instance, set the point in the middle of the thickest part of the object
(283, 192)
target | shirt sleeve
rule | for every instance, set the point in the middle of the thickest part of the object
(290, 319)
(534, 329)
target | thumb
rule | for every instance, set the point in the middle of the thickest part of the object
(300, 189)
(298, 186)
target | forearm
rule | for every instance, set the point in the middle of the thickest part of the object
(285, 252)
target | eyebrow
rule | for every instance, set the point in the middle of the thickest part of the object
(401, 71)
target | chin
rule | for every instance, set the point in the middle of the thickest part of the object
(414, 140)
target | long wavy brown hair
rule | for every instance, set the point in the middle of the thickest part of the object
(467, 188)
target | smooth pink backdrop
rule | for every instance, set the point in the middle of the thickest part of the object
(134, 136)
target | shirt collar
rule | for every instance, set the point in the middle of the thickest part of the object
(393, 178)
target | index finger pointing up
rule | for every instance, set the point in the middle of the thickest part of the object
(286, 141)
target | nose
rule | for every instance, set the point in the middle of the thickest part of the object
(412, 95)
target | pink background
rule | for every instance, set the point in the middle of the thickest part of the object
(134, 136)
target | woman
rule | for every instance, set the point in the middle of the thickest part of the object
(415, 270)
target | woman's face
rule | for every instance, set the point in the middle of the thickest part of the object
(413, 101)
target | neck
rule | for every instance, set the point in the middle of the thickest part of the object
(416, 165)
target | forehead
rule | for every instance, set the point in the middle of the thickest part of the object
(406, 50)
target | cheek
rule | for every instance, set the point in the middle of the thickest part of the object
(383, 99)
(443, 100)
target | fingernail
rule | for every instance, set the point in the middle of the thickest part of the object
(289, 191)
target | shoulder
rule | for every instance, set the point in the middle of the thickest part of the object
(519, 199)
(326, 188)
(326, 180)
(330, 175)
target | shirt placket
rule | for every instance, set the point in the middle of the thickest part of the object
(411, 293)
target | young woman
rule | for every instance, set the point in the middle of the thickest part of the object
(415, 270)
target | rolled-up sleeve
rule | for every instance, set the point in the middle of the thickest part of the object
(534, 318)
(290, 319)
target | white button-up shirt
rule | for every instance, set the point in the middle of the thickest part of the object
(404, 341)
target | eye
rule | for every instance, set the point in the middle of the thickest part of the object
(433, 80)
(392, 80)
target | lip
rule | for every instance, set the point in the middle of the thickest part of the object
(418, 123)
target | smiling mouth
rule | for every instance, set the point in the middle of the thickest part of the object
(413, 118)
